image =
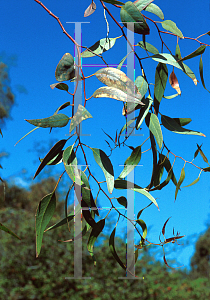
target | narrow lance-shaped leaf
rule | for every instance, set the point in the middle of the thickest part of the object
(113, 2)
(202, 154)
(70, 164)
(105, 164)
(192, 183)
(93, 236)
(197, 52)
(143, 226)
(60, 85)
(124, 184)
(81, 115)
(54, 151)
(121, 62)
(6, 229)
(150, 48)
(201, 73)
(131, 162)
(178, 52)
(181, 179)
(43, 216)
(58, 120)
(171, 26)
(161, 77)
(99, 47)
(167, 165)
(90, 10)
(66, 104)
(172, 125)
(113, 250)
(154, 126)
(130, 13)
(143, 112)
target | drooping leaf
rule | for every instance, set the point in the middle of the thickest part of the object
(143, 226)
(206, 169)
(154, 126)
(122, 201)
(56, 160)
(115, 78)
(124, 184)
(161, 77)
(172, 125)
(174, 82)
(7, 230)
(197, 52)
(81, 115)
(144, 111)
(58, 120)
(93, 236)
(62, 107)
(166, 58)
(142, 85)
(164, 226)
(167, 165)
(146, 46)
(182, 121)
(65, 68)
(202, 154)
(142, 4)
(54, 151)
(70, 164)
(122, 61)
(178, 52)
(131, 162)
(171, 26)
(154, 9)
(114, 93)
(113, 250)
(113, 2)
(60, 86)
(105, 164)
(99, 47)
(171, 97)
(181, 179)
(201, 73)
(43, 216)
(140, 212)
(192, 183)
(90, 10)
(130, 13)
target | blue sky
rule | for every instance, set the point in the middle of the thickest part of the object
(31, 34)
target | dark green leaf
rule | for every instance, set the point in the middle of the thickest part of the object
(197, 52)
(202, 154)
(181, 179)
(178, 52)
(144, 111)
(171, 26)
(99, 47)
(7, 230)
(124, 184)
(130, 13)
(167, 165)
(140, 212)
(81, 115)
(131, 162)
(93, 236)
(142, 4)
(70, 164)
(105, 164)
(62, 107)
(182, 121)
(113, 250)
(172, 125)
(60, 86)
(113, 2)
(123, 201)
(143, 226)
(206, 169)
(58, 120)
(201, 73)
(150, 48)
(54, 151)
(43, 216)
(65, 68)
(154, 126)
(161, 77)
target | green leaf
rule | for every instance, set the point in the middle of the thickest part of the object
(171, 97)
(143, 226)
(113, 2)
(6, 229)
(166, 58)
(150, 48)
(171, 26)
(113, 250)
(122, 201)
(54, 151)
(142, 4)
(114, 93)
(161, 77)
(65, 68)
(124, 184)
(115, 78)
(81, 115)
(197, 52)
(142, 85)
(167, 165)
(131, 162)
(93, 236)
(143, 112)
(206, 169)
(130, 13)
(140, 212)
(154, 126)
(122, 61)
(56, 160)
(194, 182)
(105, 164)
(181, 179)
(202, 154)
(99, 47)
(182, 121)
(70, 164)
(58, 120)
(43, 216)
(154, 9)
(172, 125)
(60, 86)
(62, 107)
(178, 52)
(201, 73)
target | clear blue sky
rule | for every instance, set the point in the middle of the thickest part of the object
(36, 38)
